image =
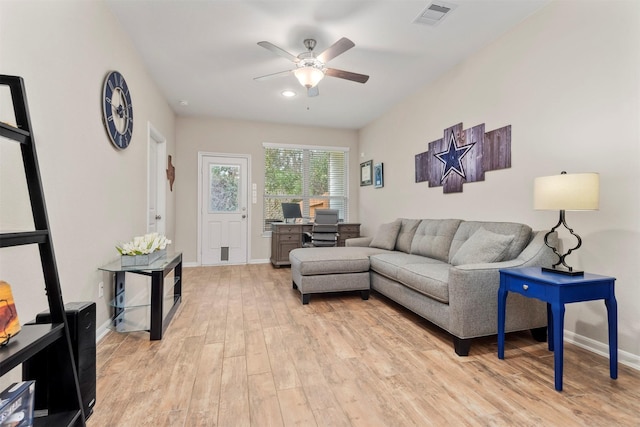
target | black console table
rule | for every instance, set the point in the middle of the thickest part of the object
(157, 270)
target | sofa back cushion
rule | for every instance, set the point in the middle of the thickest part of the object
(386, 236)
(482, 247)
(521, 236)
(405, 236)
(433, 238)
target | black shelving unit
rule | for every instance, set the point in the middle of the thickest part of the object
(63, 405)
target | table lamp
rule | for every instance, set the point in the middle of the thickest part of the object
(566, 192)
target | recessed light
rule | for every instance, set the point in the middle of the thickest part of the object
(288, 93)
(183, 103)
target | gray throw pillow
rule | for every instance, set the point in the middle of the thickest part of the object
(483, 246)
(408, 229)
(386, 236)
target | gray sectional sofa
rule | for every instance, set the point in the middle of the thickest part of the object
(445, 270)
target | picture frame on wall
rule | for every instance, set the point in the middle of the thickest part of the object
(378, 178)
(366, 173)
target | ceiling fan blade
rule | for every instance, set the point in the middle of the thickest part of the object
(313, 91)
(278, 51)
(348, 75)
(338, 48)
(270, 76)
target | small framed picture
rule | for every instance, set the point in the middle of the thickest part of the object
(378, 178)
(366, 173)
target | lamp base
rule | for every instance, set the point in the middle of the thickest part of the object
(561, 271)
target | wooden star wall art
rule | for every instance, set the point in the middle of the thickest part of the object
(463, 155)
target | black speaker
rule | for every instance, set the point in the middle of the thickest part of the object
(81, 317)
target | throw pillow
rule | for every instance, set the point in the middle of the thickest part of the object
(483, 246)
(408, 229)
(386, 236)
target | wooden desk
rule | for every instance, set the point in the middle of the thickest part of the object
(287, 237)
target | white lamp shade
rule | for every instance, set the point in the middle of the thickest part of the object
(308, 76)
(571, 192)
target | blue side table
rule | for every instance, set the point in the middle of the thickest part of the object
(557, 290)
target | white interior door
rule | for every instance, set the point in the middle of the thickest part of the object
(152, 201)
(156, 182)
(224, 214)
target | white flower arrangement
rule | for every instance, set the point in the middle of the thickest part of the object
(143, 245)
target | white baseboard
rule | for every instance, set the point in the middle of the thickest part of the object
(102, 330)
(624, 357)
(252, 261)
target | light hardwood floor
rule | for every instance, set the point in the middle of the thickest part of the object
(243, 351)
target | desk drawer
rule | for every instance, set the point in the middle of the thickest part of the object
(289, 238)
(286, 229)
(527, 288)
(349, 228)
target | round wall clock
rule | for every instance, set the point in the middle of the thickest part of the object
(117, 110)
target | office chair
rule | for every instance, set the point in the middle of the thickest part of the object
(325, 229)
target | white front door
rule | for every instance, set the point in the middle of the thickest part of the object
(224, 215)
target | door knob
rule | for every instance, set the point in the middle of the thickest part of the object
(244, 216)
(158, 216)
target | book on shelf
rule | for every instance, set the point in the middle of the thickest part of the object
(16, 405)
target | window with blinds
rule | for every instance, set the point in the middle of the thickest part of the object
(314, 177)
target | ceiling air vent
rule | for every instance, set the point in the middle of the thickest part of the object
(435, 13)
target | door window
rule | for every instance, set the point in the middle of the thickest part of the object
(224, 194)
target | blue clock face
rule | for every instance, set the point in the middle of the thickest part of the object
(117, 110)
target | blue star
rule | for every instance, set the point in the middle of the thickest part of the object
(451, 158)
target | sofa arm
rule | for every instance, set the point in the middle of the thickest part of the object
(358, 241)
(473, 294)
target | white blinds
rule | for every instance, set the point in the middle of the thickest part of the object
(315, 177)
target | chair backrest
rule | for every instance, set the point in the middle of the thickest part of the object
(326, 216)
(326, 222)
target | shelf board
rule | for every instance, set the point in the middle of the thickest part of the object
(23, 238)
(61, 419)
(29, 341)
(14, 133)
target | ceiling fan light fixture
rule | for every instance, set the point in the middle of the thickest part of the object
(309, 76)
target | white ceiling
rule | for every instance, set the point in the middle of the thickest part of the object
(206, 52)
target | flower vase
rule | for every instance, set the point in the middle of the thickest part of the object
(146, 259)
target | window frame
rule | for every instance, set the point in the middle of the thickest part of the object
(303, 147)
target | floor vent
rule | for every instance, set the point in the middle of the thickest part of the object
(435, 13)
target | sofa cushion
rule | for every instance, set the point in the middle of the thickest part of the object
(483, 246)
(388, 264)
(521, 232)
(405, 236)
(433, 238)
(430, 279)
(386, 236)
(333, 260)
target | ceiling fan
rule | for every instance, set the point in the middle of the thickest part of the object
(311, 68)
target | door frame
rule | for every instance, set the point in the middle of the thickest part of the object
(155, 137)
(247, 157)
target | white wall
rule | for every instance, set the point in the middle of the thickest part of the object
(95, 194)
(568, 82)
(218, 135)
